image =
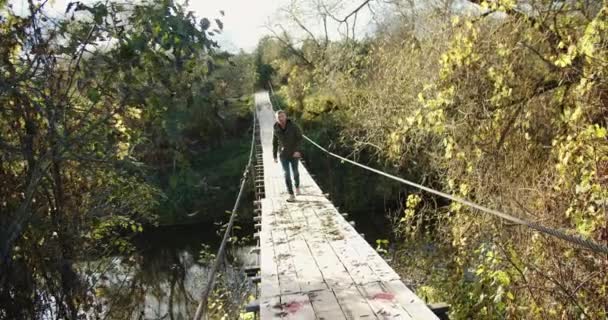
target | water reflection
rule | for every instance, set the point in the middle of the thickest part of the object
(165, 279)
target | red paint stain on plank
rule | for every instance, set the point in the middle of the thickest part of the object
(292, 307)
(383, 296)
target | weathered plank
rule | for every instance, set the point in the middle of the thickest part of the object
(326, 305)
(374, 260)
(332, 269)
(355, 266)
(309, 276)
(313, 263)
(353, 304)
(288, 279)
(408, 300)
(297, 307)
(383, 303)
(270, 308)
(269, 286)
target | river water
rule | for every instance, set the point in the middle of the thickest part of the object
(167, 278)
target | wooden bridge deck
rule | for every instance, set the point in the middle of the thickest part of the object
(313, 263)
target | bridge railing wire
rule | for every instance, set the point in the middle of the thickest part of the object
(574, 239)
(201, 310)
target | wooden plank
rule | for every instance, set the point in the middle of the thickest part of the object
(308, 230)
(348, 231)
(326, 305)
(328, 261)
(353, 305)
(268, 308)
(383, 303)
(366, 253)
(294, 214)
(409, 301)
(332, 269)
(308, 271)
(309, 275)
(355, 266)
(288, 279)
(330, 217)
(364, 268)
(297, 307)
(374, 260)
(315, 231)
(269, 285)
(312, 258)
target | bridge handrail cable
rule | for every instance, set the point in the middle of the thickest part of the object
(201, 310)
(575, 239)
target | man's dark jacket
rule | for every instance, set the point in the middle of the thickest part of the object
(289, 138)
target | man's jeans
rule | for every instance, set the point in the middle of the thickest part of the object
(296, 174)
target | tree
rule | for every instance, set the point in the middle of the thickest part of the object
(95, 122)
(502, 103)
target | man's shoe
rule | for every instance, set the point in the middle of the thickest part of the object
(291, 198)
(298, 192)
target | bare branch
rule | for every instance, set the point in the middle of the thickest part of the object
(553, 37)
(354, 12)
(326, 33)
(354, 25)
(290, 46)
(303, 27)
(344, 20)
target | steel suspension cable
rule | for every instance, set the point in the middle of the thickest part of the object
(201, 310)
(588, 244)
(575, 239)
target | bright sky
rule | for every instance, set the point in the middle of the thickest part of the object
(244, 22)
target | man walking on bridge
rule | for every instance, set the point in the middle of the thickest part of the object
(289, 136)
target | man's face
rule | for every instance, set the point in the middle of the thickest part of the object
(282, 118)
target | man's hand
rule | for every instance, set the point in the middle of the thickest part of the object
(275, 160)
(297, 154)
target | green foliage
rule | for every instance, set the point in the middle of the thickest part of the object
(226, 303)
(104, 116)
(203, 191)
(382, 246)
(508, 110)
(206, 256)
(409, 222)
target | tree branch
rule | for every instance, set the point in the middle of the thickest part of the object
(303, 27)
(348, 16)
(553, 37)
(290, 46)
(8, 147)
(354, 12)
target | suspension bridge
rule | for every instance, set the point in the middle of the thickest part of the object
(313, 264)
